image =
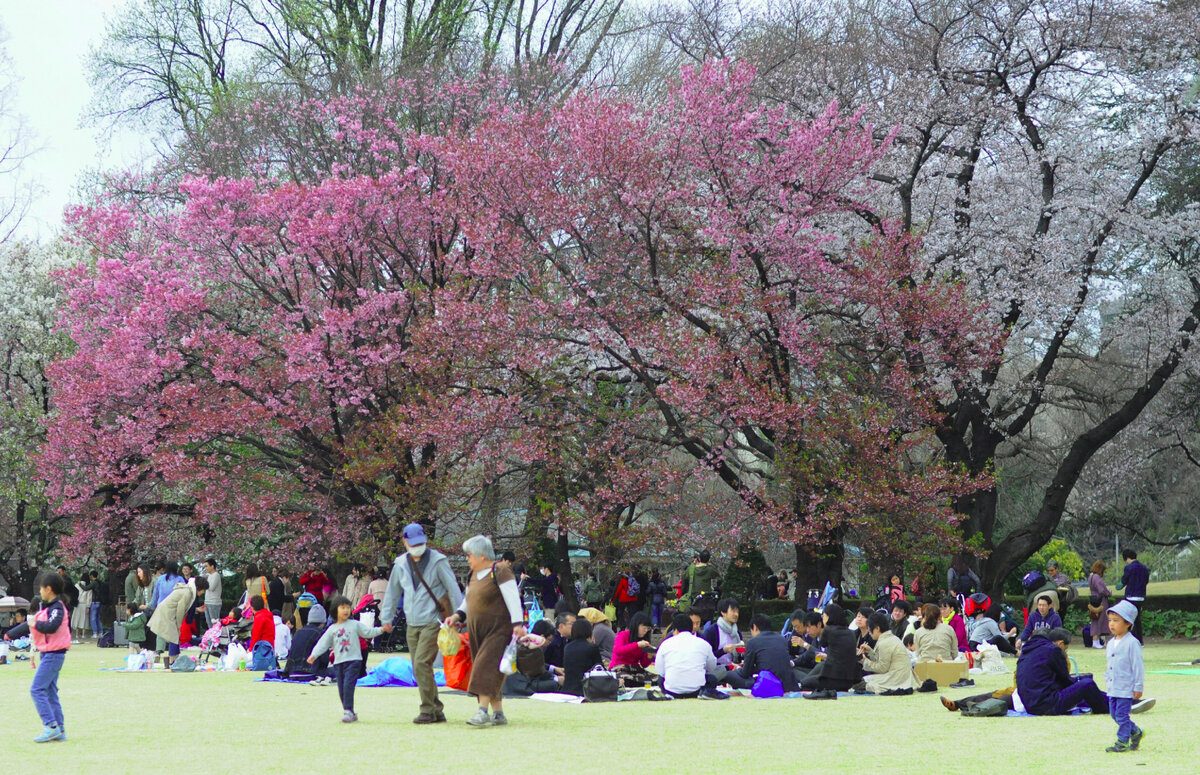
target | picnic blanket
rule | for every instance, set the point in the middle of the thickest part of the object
(1181, 671)
(394, 671)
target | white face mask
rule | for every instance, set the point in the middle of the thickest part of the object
(416, 551)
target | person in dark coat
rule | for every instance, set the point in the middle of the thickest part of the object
(841, 669)
(1044, 680)
(302, 645)
(766, 650)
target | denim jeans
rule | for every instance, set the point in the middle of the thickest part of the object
(45, 689)
(347, 675)
(94, 618)
(656, 610)
(1118, 708)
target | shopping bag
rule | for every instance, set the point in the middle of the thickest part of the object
(536, 614)
(457, 667)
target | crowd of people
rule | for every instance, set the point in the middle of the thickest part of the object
(317, 630)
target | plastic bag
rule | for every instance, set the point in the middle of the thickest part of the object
(135, 662)
(508, 661)
(767, 685)
(448, 641)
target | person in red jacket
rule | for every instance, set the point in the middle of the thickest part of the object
(632, 653)
(315, 582)
(264, 624)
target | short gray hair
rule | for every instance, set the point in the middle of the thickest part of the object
(480, 546)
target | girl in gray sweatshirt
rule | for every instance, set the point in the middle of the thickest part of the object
(342, 636)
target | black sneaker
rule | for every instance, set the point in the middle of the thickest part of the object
(930, 685)
(1118, 747)
(1136, 739)
(712, 694)
(1142, 705)
(821, 694)
(896, 693)
(962, 683)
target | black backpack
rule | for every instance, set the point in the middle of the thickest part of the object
(106, 640)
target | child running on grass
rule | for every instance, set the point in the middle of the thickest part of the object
(1124, 677)
(342, 636)
(51, 635)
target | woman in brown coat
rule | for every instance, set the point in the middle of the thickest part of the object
(493, 613)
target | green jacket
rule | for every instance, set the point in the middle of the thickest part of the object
(593, 591)
(135, 628)
(701, 578)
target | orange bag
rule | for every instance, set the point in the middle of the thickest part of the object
(458, 667)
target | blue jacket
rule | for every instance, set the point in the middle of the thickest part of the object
(1134, 579)
(1042, 673)
(1037, 622)
(163, 588)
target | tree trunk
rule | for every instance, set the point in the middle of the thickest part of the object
(816, 565)
(566, 577)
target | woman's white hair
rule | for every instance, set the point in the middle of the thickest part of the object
(480, 546)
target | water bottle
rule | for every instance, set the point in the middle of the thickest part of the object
(242, 663)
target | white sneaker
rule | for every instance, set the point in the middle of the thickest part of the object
(1142, 705)
(1097, 644)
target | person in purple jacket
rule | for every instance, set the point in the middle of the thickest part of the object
(1044, 617)
(1133, 581)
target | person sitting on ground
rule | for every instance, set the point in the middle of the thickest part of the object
(532, 675)
(602, 632)
(794, 634)
(580, 656)
(935, 641)
(722, 633)
(766, 650)
(632, 652)
(1044, 617)
(901, 619)
(302, 643)
(18, 618)
(814, 628)
(984, 627)
(840, 669)
(910, 645)
(264, 623)
(888, 662)
(859, 626)
(952, 616)
(1044, 686)
(686, 664)
(559, 637)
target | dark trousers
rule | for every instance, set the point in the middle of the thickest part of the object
(1137, 622)
(710, 683)
(347, 674)
(1000, 642)
(734, 679)
(1083, 691)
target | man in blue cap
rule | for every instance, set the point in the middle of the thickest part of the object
(422, 578)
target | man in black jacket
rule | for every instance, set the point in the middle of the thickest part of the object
(766, 650)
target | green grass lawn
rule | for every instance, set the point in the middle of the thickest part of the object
(224, 722)
(1180, 587)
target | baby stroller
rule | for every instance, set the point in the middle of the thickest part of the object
(216, 639)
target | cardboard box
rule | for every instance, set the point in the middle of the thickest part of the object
(944, 673)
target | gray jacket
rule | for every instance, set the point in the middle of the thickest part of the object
(419, 608)
(1126, 674)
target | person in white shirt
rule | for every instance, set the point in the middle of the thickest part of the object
(686, 663)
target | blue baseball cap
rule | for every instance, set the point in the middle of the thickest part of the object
(414, 534)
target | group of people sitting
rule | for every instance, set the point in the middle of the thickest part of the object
(824, 652)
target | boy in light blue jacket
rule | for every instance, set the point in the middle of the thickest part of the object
(1125, 676)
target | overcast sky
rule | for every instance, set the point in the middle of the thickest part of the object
(47, 43)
